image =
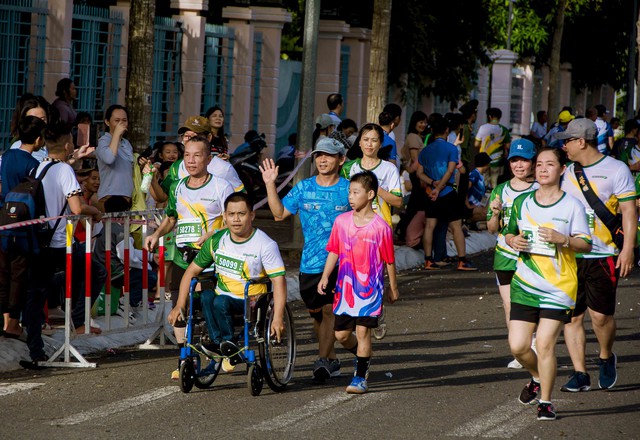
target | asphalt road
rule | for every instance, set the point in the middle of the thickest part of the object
(439, 373)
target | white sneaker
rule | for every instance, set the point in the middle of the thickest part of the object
(514, 364)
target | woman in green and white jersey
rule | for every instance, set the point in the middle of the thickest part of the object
(547, 227)
(521, 154)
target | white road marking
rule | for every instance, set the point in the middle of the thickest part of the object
(116, 407)
(505, 421)
(318, 412)
(10, 388)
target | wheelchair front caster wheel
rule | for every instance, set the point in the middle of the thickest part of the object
(255, 380)
(187, 376)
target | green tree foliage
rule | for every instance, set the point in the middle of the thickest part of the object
(596, 43)
(437, 46)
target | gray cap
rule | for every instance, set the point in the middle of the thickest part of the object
(329, 146)
(324, 120)
(582, 128)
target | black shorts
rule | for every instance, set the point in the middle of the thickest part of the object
(346, 322)
(597, 284)
(446, 208)
(175, 278)
(504, 277)
(309, 289)
(521, 312)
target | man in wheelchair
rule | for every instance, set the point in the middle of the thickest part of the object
(239, 253)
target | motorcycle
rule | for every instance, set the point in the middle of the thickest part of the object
(246, 160)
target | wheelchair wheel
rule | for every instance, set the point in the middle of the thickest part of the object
(187, 376)
(254, 380)
(277, 359)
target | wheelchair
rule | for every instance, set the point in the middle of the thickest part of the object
(273, 362)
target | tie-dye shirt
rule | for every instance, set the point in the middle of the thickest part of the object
(362, 252)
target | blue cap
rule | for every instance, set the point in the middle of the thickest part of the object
(522, 148)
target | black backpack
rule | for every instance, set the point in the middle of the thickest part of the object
(25, 202)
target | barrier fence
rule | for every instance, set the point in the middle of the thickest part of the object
(144, 218)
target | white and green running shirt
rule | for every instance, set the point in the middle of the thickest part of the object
(505, 257)
(612, 182)
(198, 210)
(238, 262)
(547, 282)
(388, 179)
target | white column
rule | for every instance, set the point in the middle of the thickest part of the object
(193, 40)
(269, 21)
(330, 37)
(503, 61)
(359, 42)
(58, 46)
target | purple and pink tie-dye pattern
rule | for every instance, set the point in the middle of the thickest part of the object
(362, 252)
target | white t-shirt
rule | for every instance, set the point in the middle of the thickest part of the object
(59, 184)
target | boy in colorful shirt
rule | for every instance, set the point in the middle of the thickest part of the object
(239, 253)
(362, 243)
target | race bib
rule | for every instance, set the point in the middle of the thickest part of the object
(506, 214)
(591, 219)
(188, 231)
(229, 265)
(535, 244)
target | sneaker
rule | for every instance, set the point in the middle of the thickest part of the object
(546, 411)
(175, 374)
(358, 385)
(514, 364)
(608, 373)
(465, 265)
(578, 381)
(321, 369)
(226, 366)
(430, 265)
(529, 393)
(211, 349)
(334, 367)
(231, 350)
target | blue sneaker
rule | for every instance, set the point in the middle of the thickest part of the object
(358, 385)
(608, 373)
(578, 381)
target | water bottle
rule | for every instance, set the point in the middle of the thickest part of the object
(146, 181)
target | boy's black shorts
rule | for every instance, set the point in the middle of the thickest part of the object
(309, 289)
(521, 312)
(504, 277)
(346, 322)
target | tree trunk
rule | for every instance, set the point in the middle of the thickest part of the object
(379, 55)
(140, 72)
(554, 62)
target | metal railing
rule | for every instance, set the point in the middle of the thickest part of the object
(22, 56)
(167, 79)
(95, 57)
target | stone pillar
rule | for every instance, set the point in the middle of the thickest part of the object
(523, 126)
(269, 21)
(124, 7)
(193, 39)
(239, 18)
(482, 95)
(58, 46)
(564, 92)
(503, 61)
(328, 62)
(359, 42)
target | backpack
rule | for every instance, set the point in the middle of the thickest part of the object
(25, 202)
